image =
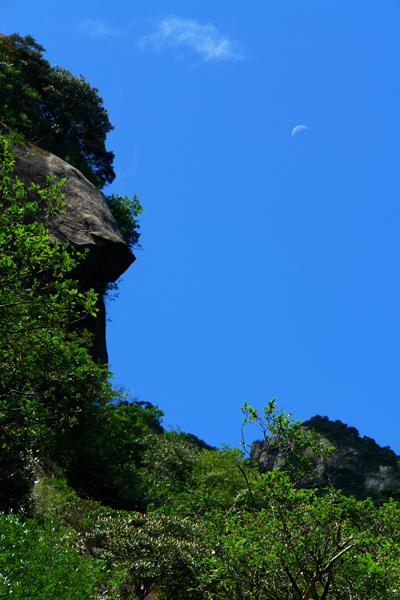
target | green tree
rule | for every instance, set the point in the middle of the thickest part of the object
(209, 479)
(47, 377)
(303, 546)
(149, 553)
(295, 544)
(166, 464)
(44, 559)
(102, 453)
(63, 114)
(125, 212)
(53, 108)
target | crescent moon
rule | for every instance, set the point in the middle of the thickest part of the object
(297, 129)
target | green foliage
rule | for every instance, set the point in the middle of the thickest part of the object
(55, 501)
(256, 535)
(55, 109)
(165, 467)
(125, 212)
(359, 457)
(181, 478)
(286, 443)
(53, 497)
(102, 452)
(219, 480)
(296, 544)
(348, 437)
(16, 478)
(138, 553)
(302, 546)
(44, 560)
(153, 553)
(47, 377)
(120, 454)
(63, 114)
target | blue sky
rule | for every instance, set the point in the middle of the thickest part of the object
(270, 265)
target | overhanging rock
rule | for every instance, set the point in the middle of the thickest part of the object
(88, 223)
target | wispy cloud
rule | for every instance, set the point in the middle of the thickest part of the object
(206, 40)
(97, 28)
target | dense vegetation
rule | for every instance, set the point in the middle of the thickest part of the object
(53, 108)
(212, 526)
(47, 377)
(63, 114)
(127, 508)
(357, 458)
(344, 436)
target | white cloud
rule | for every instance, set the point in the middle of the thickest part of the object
(96, 28)
(204, 39)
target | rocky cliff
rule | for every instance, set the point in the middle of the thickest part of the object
(88, 223)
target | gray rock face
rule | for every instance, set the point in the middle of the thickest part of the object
(88, 223)
(268, 458)
(382, 479)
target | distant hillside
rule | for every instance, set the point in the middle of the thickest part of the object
(359, 466)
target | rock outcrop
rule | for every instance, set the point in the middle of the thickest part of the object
(88, 223)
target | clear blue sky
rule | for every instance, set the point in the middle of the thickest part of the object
(271, 263)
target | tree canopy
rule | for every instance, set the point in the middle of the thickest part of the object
(64, 114)
(53, 108)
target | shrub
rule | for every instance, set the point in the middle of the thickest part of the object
(43, 560)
